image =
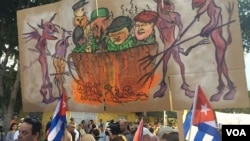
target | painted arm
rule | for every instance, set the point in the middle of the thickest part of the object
(201, 10)
(179, 25)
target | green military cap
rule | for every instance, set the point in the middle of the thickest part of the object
(120, 22)
(98, 13)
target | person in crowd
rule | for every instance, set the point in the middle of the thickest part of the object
(14, 120)
(90, 123)
(172, 136)
(11, 132)
(48, 124)
(87, 137)
(148, 136)
(72, 119)
(151, 130)
(17, 131)
(96, 133)
(85, 126)
(123, 124)
(92, 127)
(100, 122)
(132, 129)
(30, 130)
(119, 137)
(81, 129)
(67, 136)
(73, 131)
(103, 136)
(47, 127)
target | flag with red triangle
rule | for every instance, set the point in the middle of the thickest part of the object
(202, 125)
(139, 132)
(59, 122)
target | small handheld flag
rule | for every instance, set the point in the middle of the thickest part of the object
(59, 122)
(202, 122)
(139, 132)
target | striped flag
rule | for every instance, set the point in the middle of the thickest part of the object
(59, 122)
(200, 122)
(187, 122)
(139, 132)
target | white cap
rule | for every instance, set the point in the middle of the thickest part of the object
(146, 131)
(165, 129)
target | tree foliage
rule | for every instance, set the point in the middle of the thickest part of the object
(10, 92)
(244, 14)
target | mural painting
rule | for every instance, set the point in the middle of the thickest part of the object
(112, 56)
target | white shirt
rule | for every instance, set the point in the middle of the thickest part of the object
(77, 135)
(16, 135)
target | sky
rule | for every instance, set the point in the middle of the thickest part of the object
(247, 69)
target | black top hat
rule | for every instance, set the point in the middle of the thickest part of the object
(79, 4)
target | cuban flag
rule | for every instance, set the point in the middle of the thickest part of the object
(59, 122)
(139, 132)
(200, 122)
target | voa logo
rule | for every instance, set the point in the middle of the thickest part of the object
(236, 132)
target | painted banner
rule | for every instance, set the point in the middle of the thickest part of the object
(131, 55)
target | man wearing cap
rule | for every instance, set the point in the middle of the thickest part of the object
(79, 13)
(119, 34)
(98, 26)
(80, 23)
(145, 22)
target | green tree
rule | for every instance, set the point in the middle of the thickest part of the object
(244, 14)
(10, 92)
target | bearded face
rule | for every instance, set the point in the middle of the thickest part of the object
(98, 28)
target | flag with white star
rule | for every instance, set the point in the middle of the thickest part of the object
(59, 122)
(203, 111)
(201, 126)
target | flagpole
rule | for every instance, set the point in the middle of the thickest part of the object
(193, 110)
(180, 126)
(96, 5)
(170, 95)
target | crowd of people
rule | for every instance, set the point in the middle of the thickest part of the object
(30, 129)
(121, 130)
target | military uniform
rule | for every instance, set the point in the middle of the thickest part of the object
(116, 25)
(91, 45)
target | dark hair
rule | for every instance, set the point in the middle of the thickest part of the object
(36, 125)
(96, 132)
(11, 126)
(151, 129)
(113, 127)
(172, 136)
